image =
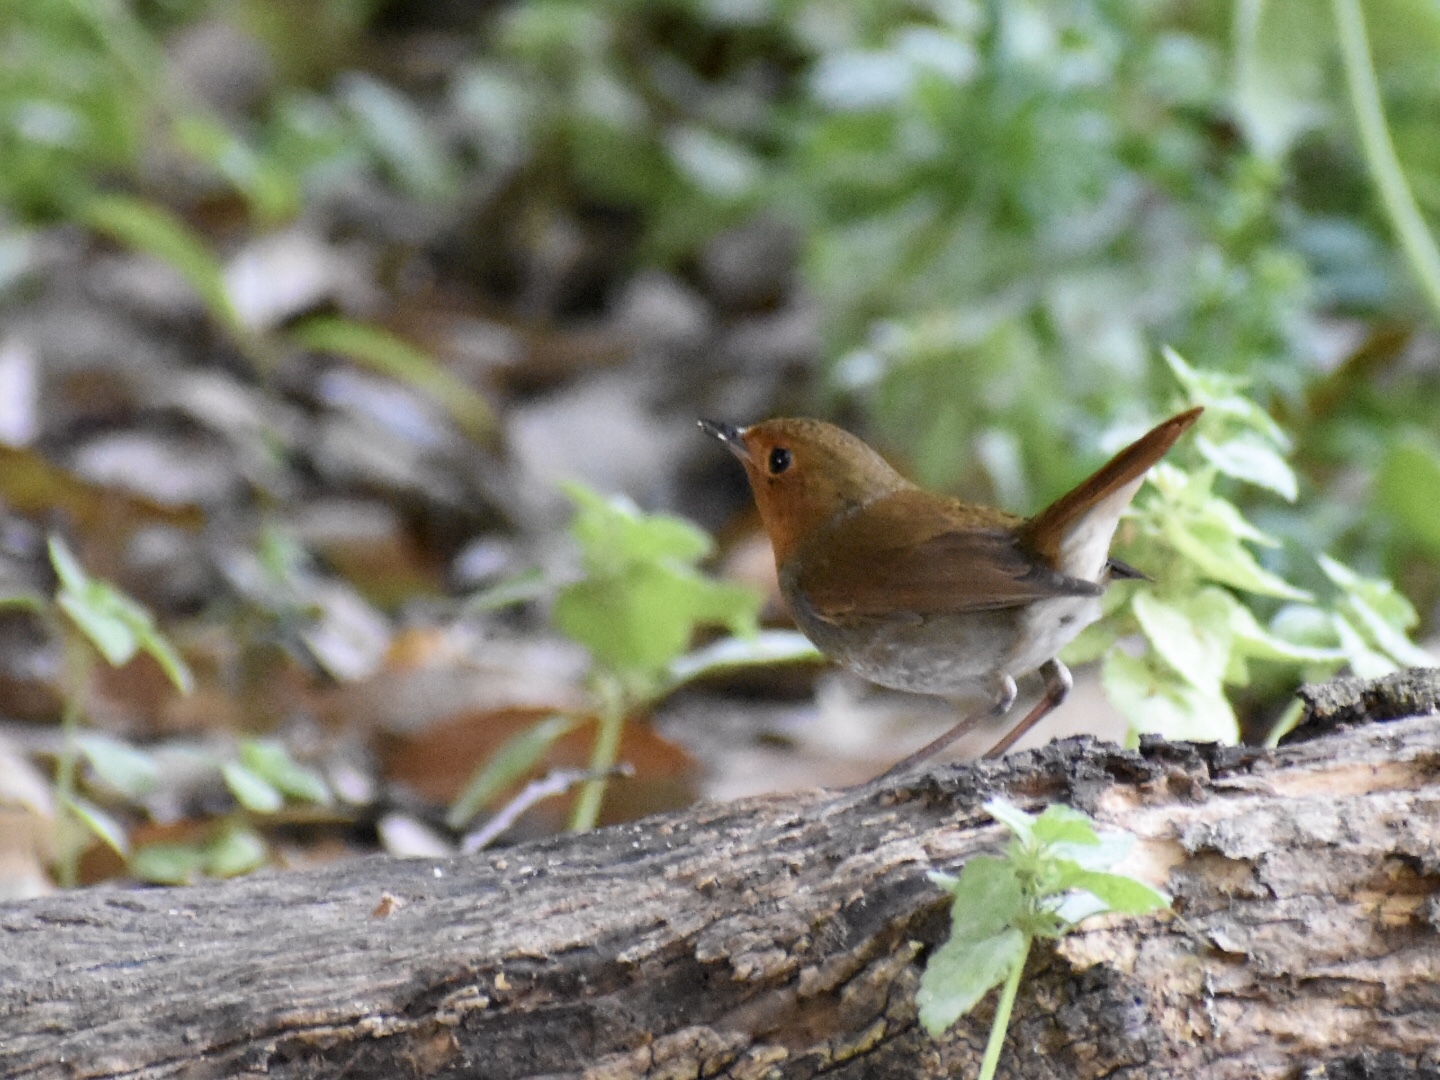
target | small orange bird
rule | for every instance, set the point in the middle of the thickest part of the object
(923, 592)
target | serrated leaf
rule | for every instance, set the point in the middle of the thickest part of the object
(987, 898)
(168, 864)
(516, 757)
(1223, 395)
(1192, 635)
(960, 973)
(105, 827)
(270, 760)
(613, 533)
(237, 850)
(1220, 556)
(1012, 817)
(642, 618)
(383, 352)
(251, 790)
(1064, 824)
(1252, 639)
(1250, 458)
(129, 771)
(1118, 892)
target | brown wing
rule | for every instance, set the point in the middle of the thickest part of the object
(917, 553)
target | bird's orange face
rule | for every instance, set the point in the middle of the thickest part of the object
(803, 473)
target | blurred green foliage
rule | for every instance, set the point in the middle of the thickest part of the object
(1007, 210)
(259, 774)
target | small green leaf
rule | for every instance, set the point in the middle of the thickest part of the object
(988, 898)
(1381, 595)
(107, 632)
(1223, 396)
(1391, 641)
(158, 646)
(1064, 824)
(129, 771)
(1250, 458)
(27, 599)
(960, 973)
(1218, 553)
(1363, 660)
(1289, 720)
(67, 568)
(272, 193)
(1118, 892)
(614, 533)
(114, 623)
(516, 589)
(1111, 847)
(1253, 640)
(153, 230)
(251, 791)
(385, 353)
(1012, 817)
(514, 759)
(102, 825)
(1165, 704)
(1193, 634)
(237, 850)
(766, 647)
(168, 864)
(401, 136)
(640, 619)
(270, 761)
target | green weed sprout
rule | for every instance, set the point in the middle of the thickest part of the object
(91, 617)
(636, 607)
(1199, 637)
(1055, 873)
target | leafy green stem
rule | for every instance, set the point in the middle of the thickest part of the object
(1410, 228)
(602, 757)
(77, 677)
(1001, 1023)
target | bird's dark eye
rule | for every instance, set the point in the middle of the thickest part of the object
(779, 460)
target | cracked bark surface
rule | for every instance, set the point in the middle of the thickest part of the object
(782, 937)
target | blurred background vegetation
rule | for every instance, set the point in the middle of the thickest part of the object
(308, 308)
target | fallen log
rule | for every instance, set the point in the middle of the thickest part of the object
(784, 936)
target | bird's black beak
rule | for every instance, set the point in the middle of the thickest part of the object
(730, 435)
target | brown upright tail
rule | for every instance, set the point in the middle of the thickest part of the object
(1051, 534)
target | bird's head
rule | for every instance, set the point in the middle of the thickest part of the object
(804, 473)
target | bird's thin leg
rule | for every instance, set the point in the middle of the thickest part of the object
(1057, 686)
(1004, 697)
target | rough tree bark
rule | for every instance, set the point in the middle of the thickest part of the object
(782, 937)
